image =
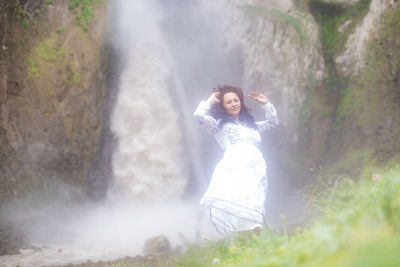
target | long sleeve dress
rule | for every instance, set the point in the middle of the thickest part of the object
(236, 193)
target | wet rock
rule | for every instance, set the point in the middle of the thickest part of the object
(10, 240)
(157, 245)
(55, 109)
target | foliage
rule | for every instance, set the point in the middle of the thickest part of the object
(25, 14)
(359, 225)
(84, 11)
(20, 12)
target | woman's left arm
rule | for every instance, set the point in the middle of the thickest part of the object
(271, 116)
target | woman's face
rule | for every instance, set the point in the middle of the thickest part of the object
(231, 103)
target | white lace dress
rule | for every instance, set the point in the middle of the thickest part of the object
(236, 193)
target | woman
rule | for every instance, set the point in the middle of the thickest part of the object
(236, 193)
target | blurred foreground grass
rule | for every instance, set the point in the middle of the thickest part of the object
(358, 225)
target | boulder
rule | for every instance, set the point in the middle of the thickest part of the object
(157, 245)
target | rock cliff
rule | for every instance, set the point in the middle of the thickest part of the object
(52, 94)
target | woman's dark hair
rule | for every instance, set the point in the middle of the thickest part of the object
(218, 110)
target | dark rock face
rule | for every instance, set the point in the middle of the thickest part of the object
(52, 97)
(10, 240)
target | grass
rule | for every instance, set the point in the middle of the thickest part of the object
(357, 224)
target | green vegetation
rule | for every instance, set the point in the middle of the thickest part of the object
(33, 71)
(20, 12)
(50, 51)
(375, 86)
(277, 15)
(357, 224)
(392, 24)
(25, 16)
(332, 16)
(353, 161)
(361, 110)
(84, 11)
(61, 29)
(336, 22)
(50, 59)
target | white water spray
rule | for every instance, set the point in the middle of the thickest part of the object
(149, 158)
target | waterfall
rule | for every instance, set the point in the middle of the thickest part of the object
(149, 157)
(172, 57)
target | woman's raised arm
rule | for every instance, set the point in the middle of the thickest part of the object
(271, 117)
(203, 116)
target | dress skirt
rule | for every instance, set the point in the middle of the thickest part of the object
(236, 193)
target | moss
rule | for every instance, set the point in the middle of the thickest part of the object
(362, 109)
(76, 78)
(49, 59)
(361, 100)
(83, 10)
(330, 16)
(49, 49)
(33, 71)
(392, 24)
(367, 117)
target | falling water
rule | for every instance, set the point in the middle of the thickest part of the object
(149, 157)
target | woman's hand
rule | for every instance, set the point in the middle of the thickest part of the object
(214, 98)
(259, 97)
